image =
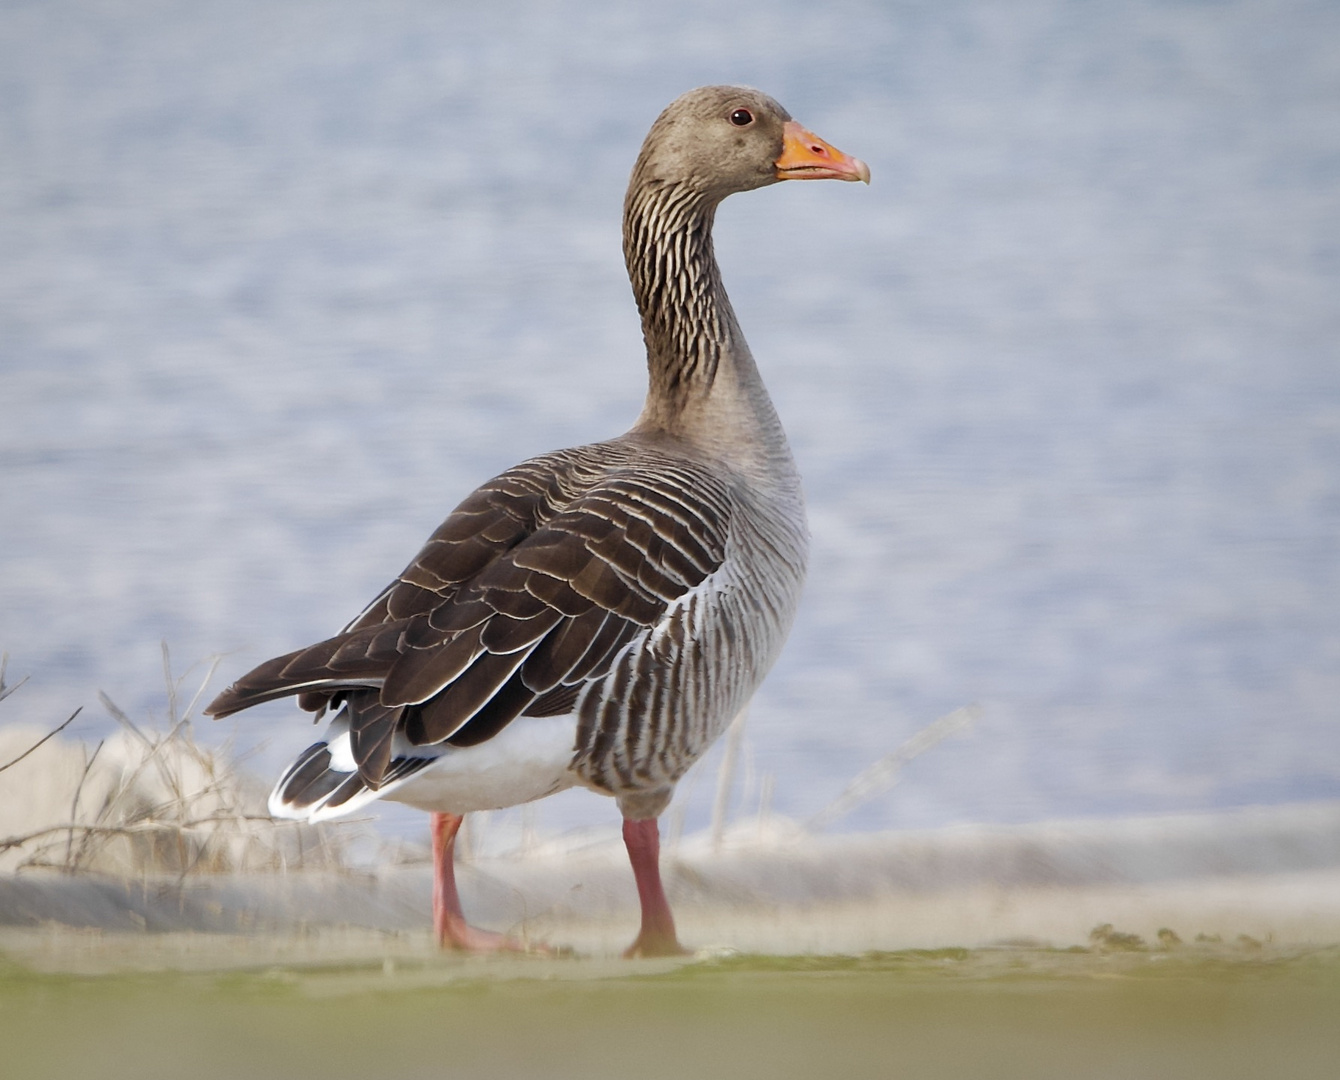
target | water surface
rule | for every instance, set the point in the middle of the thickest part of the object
(280, 282)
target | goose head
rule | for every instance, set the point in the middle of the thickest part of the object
(717, 140)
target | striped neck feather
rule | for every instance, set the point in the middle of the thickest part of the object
(687, 321)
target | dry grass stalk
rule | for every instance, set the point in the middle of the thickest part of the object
(883, 774)
(147, 802)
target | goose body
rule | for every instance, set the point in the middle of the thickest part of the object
(678, 585)
(594, 616)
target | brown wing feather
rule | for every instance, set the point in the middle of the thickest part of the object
(555, 657)
(530, 589)
(495, 518)
(349, 661)
(454, 705)
(372, 727)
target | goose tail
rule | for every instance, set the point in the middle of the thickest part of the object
(324, 781)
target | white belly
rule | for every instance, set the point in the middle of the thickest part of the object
(525, 761)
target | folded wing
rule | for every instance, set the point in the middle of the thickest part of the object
(525, 594)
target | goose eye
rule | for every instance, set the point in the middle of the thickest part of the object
(741, 117)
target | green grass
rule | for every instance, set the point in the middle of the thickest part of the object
(946, 1013)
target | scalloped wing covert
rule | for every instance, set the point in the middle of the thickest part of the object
(523, 596)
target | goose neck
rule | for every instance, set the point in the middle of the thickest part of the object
(687, 321)
(704, 388)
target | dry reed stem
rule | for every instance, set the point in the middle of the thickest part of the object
(163, 803)
(49, 735)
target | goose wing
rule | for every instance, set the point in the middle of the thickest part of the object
(528, 591)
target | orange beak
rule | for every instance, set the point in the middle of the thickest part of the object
(805, 156)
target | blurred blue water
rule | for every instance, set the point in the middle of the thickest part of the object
(280, 282)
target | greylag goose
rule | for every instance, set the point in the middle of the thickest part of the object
(594, 616)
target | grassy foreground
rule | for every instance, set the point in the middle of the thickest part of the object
(1028, 1013)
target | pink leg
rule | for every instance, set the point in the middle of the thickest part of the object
(453, 932)
(657, 935)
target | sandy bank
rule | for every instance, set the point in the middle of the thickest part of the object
(1266, 875)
